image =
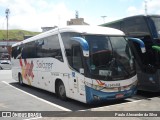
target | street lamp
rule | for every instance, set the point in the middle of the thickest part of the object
(103, 17)
(7, 15)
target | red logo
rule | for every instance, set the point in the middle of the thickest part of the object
(27, 70)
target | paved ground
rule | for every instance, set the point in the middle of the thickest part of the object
(124, 111)
(14, 97)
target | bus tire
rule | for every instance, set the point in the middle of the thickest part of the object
(60, 90)
(20, 79)
(1, 68)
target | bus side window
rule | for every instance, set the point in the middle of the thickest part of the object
(49, 47)
(76, 59)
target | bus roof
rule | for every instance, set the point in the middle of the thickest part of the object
(84, 29)
(119, 20)
(91, 30)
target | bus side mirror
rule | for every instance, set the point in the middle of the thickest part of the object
(157, 48)
(84, 45)
(140, 42)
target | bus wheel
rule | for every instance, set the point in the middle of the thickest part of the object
(1, 68)
(20, 79)
(61, 92)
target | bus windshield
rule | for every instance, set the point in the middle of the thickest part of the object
(110, 57)
(157, 24)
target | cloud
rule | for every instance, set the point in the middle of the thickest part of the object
(132, 10)
(32, 15)
(152, 8)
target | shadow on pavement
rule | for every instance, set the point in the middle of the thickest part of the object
(75, 105)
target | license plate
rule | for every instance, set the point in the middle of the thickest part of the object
(119, 96)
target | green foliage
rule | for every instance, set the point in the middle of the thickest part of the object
(16, 34)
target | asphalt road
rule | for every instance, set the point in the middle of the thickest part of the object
(14, 97)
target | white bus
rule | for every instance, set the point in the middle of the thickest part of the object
(85, 63)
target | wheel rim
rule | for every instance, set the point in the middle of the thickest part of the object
(61, 90)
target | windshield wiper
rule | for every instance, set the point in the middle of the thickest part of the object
(111, 64)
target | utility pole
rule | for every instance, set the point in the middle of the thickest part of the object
(146, 9)
(146, 6)
(77, 14)
(7, 16)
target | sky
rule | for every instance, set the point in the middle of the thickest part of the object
(33, 14)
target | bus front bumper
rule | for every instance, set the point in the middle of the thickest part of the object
(94, 96)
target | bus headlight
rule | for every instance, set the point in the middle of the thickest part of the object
(96, 87)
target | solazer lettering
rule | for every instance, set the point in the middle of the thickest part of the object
(44, 65)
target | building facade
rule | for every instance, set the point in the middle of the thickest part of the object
(77, 21)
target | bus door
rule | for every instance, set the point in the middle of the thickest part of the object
(76, 82)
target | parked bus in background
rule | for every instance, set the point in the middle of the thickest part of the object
(88, 64)
(147, 28)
